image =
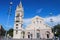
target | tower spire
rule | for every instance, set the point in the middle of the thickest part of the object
(20, 5)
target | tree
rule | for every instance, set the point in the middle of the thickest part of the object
(57, 30)
(10, 32)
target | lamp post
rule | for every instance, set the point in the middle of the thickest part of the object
(9, 11)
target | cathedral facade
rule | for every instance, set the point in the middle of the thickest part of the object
(37, 29)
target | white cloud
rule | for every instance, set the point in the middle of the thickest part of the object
(27, 21)
(39, 10)
(56, 20)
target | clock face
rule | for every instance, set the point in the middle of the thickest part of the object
(18, 15)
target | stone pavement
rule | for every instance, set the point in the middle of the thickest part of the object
(23, 39)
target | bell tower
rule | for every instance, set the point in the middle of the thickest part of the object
(18, 22)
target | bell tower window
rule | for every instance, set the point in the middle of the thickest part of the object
(16, 27)
(18, 15)
(17, 21)
(16, 24)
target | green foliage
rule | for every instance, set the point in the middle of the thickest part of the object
(57, 30)
(10, 32)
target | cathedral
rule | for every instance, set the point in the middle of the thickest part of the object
(36, 29)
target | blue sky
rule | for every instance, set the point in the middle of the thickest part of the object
(31, 8)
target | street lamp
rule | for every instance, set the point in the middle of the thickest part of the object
(9, 11)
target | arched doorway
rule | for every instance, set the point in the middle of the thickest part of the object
(28, 34)
(38, 33)
(47, 34)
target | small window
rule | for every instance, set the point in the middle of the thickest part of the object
(40, 21)
(31, 35)
(16, 24)
(17, 21)
(16, 27)
(28, 32)
(37, 21)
